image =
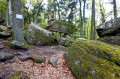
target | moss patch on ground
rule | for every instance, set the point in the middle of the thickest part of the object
(93, 60)
(17, 75)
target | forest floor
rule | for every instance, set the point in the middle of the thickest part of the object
(36, 70)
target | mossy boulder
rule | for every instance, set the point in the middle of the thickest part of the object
(115, 40)
(93, 60)
(35, 58)
(109, 28)
(5, 34)
(38, 59)
(36, 35)
(60, 48)
(61, 27)
(2, 28)
(17, 75)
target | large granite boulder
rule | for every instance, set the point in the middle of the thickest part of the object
(36, 35)
(109, 28)
(61, 27)
(115, 40)
(93, 60)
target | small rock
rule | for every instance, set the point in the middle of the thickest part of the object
(24, 58)
(49, 53)
(53, 61)
(19, 53)
(11, 61)
(38, 59)
(60, 48)
(5, 57)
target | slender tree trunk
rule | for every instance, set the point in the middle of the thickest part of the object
(84, 17)
(81, 18)
(37, 11)
(102, 11)
(7, 17)
(92, 20)
(115, 9)
(10, 13)
(59, 13)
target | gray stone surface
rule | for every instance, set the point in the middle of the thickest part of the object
(5, 56)
(53, 61)
(109, 28)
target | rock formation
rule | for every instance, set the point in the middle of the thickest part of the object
(109, 31)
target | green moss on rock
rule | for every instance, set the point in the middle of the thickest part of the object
(62, 27)
(25, 46)
(38, 59)
(115, 40)
(93, 60)
(17, 75)
(2, 28)
(36, 35)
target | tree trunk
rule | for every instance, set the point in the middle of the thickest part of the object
(10, 14)
(115, 9)
(7, 17)
(102, 11)
(18, 26)
(81, 18)
(92, 19)
(37, 11)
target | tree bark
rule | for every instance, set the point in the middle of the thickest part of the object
(92, 19)
(102, 11)
(81, 18)
(115, 9)
(7, 17)
(37, 11)
(18, 26)
(10, 13)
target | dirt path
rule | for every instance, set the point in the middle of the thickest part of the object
(38, 71)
